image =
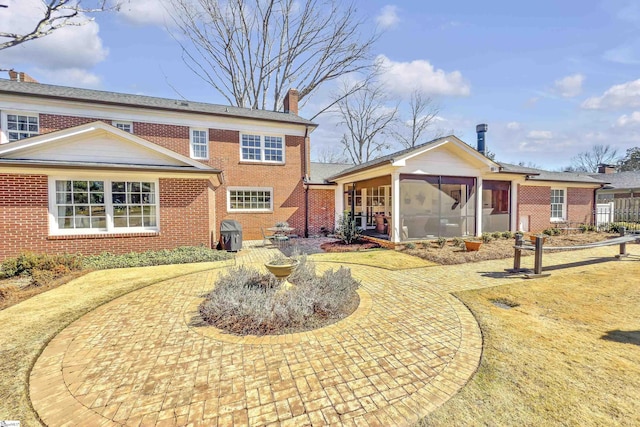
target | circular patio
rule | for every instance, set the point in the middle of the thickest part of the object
(144, 359)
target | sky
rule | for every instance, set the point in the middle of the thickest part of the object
(550, 78)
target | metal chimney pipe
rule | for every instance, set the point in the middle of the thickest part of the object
(481, 129)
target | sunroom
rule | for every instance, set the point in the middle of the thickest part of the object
(443, 188)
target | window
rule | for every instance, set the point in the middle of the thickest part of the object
(261, 148)
(250, 199)
(199, 144)
(125, 126)
(82, 206)
(558, 204)
(20, 126)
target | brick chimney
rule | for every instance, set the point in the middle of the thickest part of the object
(21, 77)
(291, 102)
(604, 168)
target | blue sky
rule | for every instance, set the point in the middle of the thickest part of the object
(551, 78)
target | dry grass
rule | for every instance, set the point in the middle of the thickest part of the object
(18, 289)
(380, 258)
(28, 326)
(496, 249)
(569, 354)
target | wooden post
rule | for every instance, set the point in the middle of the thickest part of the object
(537, 269)
(518, 254)
(623, 246)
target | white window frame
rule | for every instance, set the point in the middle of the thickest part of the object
(564, 204)
(117, 123)
(192, 143)
(4, 131)
(262, 148)
(230, 189)
(54, 229)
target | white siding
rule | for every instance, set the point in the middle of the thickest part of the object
(440, 161)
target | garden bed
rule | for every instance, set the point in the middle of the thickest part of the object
(495, 249)
(356, 245)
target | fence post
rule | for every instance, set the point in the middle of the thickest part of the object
(623, 246)
(537, 269)
(518, 254)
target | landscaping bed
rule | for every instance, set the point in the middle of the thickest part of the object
(499, 248)
(341, 246)
(248, 302)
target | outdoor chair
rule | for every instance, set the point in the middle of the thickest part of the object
(268, 238)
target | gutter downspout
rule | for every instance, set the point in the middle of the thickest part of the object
(305, 180)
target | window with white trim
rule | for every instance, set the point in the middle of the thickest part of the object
(86, 206)
(249, 199)
(199, 143)
(125, 126)
(262, 148)
(558, 204)
(21, 126)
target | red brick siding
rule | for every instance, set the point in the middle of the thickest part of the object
(535, 202)
(321, 210)
(580, 205)
(184, 220)
(224, 154)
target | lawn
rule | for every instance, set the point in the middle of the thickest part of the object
(28, 326)
(569, 354)
(381, 258)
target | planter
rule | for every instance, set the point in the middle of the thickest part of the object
(533, 239)
(472, 245)
(282, 271)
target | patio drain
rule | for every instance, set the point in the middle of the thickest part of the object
(503, 303)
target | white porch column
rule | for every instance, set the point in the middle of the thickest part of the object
(513, 206)
(478, 206)
(339, 203)
(396, 226)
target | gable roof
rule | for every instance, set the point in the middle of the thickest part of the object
(320, 172)
(619, 180)
(41, 90)
(407, 153)
(131, 152)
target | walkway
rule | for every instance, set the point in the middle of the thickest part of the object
(144, 359)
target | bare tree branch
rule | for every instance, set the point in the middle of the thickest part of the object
(588, 161)
(422, 114)
(253, 51)
(367, 119)
(57, 14)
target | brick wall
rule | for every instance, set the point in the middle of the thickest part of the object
(580, 205)
(535, 202)
(184, 220)
(224, 154)
(321, 207)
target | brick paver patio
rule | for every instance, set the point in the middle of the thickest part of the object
(145, 359)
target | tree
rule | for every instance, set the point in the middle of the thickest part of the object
(56, 14)
(588, 161)
(422, 113)
(631, 161)
(332, 155)
(253, 51)
(367, 119)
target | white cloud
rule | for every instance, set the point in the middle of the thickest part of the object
(540, 134)
(148, 12)
(404, 77)
(78, 47)
(625, 120)
(514, 126)
(628, 54)
(625, 95)
(388, 17)
(570, 86)
(75, 77)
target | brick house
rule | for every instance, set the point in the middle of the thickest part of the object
(446, 188)
(88, 171)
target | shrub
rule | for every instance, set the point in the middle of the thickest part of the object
(245, 301)
(410, 245)
(347, 230)
(458, 242)
(27, 262)
(496, 235)
(507, 235)
(486, 237)
(181, 255)
(441, 242)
